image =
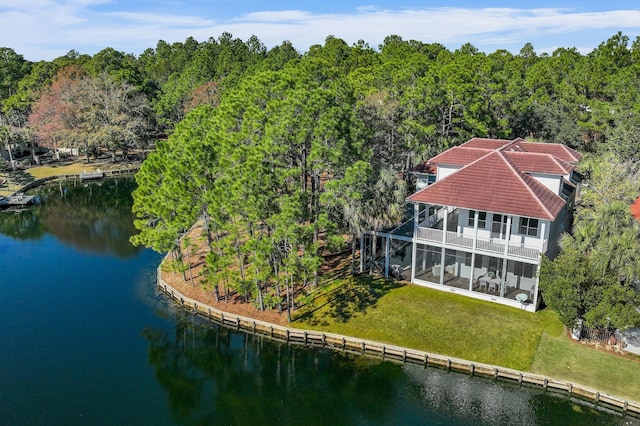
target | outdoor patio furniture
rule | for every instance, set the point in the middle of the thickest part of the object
(395, 270)
(436, 270)
(522, 298)
(483, 282)
(494, 284)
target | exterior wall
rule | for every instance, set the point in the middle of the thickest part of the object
(444, 171)
(491, 278)
(17, 149)
(443, 261)
(514, 235)
(553, 182)
(423, 180)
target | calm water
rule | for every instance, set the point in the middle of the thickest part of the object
(86, 339)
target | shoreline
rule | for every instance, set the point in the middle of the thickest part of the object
(336, 342)
(73, 168)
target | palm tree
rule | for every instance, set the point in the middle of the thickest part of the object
(28, 135)
(6, 135)
(385, 204)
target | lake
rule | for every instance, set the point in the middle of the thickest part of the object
(85, 338)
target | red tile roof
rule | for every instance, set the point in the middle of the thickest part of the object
(557, 150)
(425, 167)
(635, 209)
(494, 177)
(484, 143)
(459, 156)
(539, 163)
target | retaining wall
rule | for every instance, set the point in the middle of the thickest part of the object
(395, 353)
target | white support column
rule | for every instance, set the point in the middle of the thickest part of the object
(414, 242)
(362, 250)
(507, 237)
(535, 294)
(387, 249)
(444, 244)
(473, 250)
(444, 225)
(506, 257)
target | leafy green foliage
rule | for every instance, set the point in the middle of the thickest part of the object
(597, 274)
(280, 153)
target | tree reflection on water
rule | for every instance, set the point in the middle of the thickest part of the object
(92, 217)
(214, 375)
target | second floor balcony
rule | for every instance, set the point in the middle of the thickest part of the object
(430, 231)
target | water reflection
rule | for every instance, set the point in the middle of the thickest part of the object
(213, 375)
(94, 217)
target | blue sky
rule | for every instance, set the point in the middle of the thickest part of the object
(46, 29)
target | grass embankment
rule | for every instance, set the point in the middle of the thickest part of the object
(561, 358)
(440, 322)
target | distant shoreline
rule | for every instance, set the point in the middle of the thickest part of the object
(96, 174)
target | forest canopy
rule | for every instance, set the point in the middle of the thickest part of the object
(284, 154)
(418, 97)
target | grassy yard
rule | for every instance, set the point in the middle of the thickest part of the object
(19, 178)
(441, 322)
(562, 358)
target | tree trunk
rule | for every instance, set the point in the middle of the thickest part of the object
(260, 299)
(315, 200)
(288, 303)
(189, 263)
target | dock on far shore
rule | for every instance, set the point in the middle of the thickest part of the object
(18, 199)
(91, 175)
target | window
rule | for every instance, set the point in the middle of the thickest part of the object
(499, 226)
(525, 270)
(482, 218)
(528, 226)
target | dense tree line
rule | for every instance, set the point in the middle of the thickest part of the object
(596, 277)
(282, 154)
(420, 97)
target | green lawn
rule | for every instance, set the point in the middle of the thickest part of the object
(561, 358)
(445, 323)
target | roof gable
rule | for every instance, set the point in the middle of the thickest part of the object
(486, 143)
(539, 163)
(560, 151)
(459, 156)
(493, 183)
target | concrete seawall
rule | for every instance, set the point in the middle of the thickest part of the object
(397, 354)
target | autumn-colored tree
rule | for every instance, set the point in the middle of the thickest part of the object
(206, 94)
(51, 114)
(80, 111)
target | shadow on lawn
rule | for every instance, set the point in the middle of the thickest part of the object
(20, 177)
(342, 303)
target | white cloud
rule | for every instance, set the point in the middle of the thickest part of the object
(43, 29)
(162, 19)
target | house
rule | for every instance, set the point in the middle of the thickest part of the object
(480, 229)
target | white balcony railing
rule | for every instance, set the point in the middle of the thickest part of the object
(455, 240)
